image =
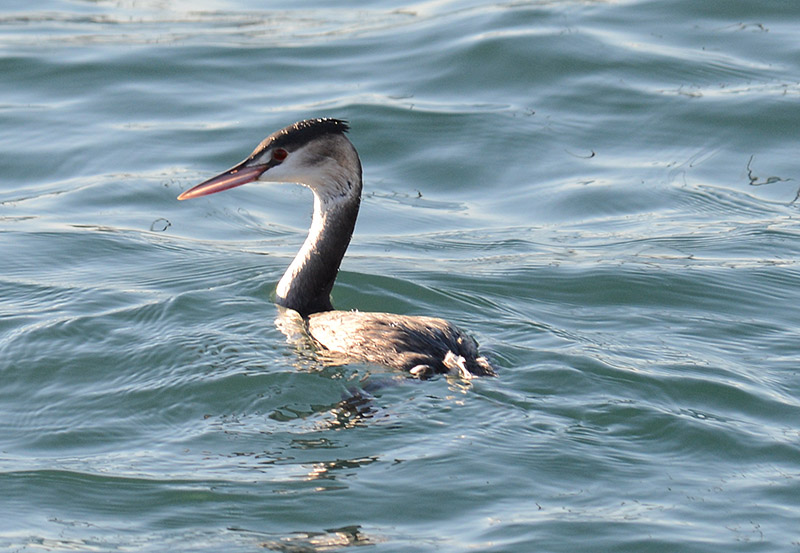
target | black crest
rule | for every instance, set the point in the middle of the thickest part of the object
(302, 132)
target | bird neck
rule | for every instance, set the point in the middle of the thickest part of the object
(307, 283)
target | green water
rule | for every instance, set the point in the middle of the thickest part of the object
(603, 193)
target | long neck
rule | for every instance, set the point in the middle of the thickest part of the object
(306, 285)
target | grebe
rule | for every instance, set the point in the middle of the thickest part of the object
(317, 154)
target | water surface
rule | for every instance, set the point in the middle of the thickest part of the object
(604, 193)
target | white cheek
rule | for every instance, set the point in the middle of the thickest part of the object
(288, 171)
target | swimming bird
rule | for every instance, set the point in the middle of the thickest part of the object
(317, 154)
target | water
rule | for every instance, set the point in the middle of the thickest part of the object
(604, 193)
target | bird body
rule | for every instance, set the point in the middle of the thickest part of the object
(419, 345)
(317, 154)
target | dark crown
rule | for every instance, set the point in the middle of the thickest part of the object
(302, 132)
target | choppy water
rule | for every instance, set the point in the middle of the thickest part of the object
(604, 193)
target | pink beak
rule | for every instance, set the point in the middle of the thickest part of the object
(231, 178)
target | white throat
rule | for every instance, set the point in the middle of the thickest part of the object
(307, 282)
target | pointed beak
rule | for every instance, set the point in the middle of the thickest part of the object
(237, 176)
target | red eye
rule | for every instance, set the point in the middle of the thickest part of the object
(279, 154)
